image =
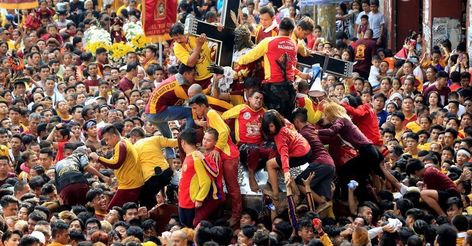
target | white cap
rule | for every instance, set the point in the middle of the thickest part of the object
(39, 235)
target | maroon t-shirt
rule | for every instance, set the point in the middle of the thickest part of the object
(125, 84)
(435, 180)
(364, 49)
(319, 154)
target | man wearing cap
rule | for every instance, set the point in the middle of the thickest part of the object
(61, 21)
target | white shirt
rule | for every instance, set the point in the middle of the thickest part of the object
(376, 21)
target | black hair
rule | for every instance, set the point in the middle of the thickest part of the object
(8, 234)
(271, 117)
(447, 236)
(28, 240)
(301, 114)
(189, 136)
(111, 129)
(58, 227)
(129, 205)
(177, 29)
(93, 220)
(184, 68)
(199, 99)
(222, 235)
(460, 222)
(136, 231)
(413, 165)
(286, 24)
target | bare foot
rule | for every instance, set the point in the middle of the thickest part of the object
(253, 183)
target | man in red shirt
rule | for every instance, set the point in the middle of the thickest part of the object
(280, 61)
(198, 197)
(249, 136)
(225, 150)
(364, 117)
(439, 187)
(364, 49)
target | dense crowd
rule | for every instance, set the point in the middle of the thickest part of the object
(160, 146)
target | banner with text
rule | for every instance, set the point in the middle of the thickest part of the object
(158, 17)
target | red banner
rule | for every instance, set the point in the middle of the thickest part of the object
(158, 16)
(18, 4)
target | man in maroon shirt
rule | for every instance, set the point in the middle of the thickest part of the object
(321, 162)
(364, 49)
(439, 187)
(126, 83)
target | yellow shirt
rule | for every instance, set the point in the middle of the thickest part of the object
(150, 154)
(426, 146)
(301, 46)
(128, 172)
(183, 52)
(413, 126)
(216, 122)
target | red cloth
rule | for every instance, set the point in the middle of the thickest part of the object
(290, 144)
(435, 180)
(123, 196)
(249, 124)
(408, 120)
(230, 174)
(74, 194)
(366, 119)
(60, 151)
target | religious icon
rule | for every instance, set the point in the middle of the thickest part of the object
(160, 12)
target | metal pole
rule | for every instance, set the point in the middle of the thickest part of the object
(160, 54)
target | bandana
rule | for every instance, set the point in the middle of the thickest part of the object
(89, 124)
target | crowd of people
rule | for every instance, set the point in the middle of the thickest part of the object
(147, 151)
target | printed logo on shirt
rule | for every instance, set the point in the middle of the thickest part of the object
(360, 52)
(246, 115)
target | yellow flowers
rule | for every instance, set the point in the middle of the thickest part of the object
(119, 50)
(139, 41)
(93, 46)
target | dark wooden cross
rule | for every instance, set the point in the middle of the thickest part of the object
(328, 64)
(225, 37)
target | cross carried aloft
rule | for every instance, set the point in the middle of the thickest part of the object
(225, 41)
(224, 38)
